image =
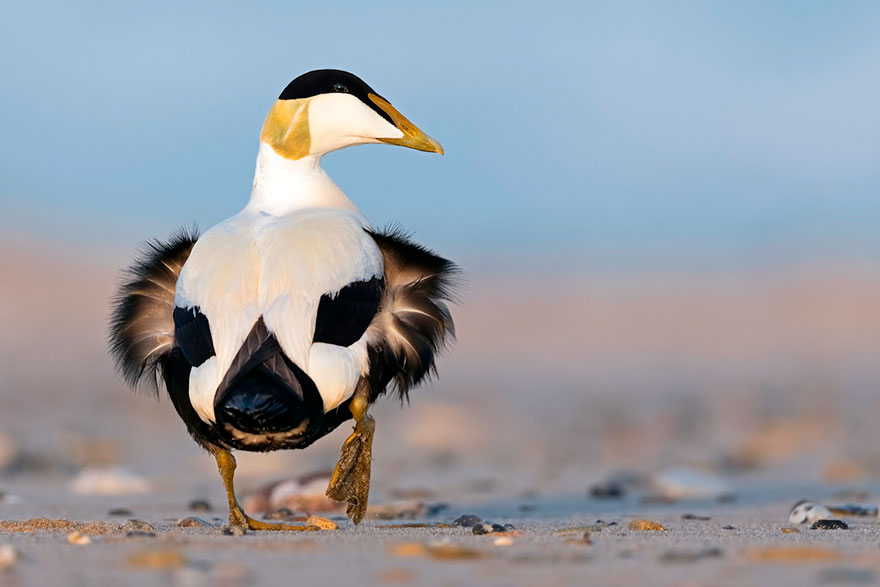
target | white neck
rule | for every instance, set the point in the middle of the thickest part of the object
(282, 185)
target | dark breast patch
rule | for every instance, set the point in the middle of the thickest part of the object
(344, 319)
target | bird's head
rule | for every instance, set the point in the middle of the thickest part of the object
(328, 109)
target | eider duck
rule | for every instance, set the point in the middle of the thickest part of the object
(279, 324)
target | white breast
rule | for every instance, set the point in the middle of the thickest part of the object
(278, 267)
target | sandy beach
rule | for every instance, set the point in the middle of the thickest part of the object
(728, 432)
(551, 549)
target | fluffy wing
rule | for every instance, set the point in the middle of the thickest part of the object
(414, 323)
(142, 320)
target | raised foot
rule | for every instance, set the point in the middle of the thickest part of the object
(351, 478)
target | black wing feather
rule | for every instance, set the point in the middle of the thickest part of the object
(142, 324)
(193, 334)
(414, 322)
(343, 320)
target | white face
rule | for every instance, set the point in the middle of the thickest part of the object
(342, 120)
(315, 125)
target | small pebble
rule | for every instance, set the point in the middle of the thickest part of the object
(135, 525)
(695, 517)
(79, 538)
(8, 556)
(807, 512)
(481, 528)
(234, 531)
(605, 524)
(728, 527)
(468, 520)
(200, 505)
(790, 531)
(192, 522)
(490, 528)
(322, 523)
(503, 541)
(119, 512)
(829, 525)
(646, 525)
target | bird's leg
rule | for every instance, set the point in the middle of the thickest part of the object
(351, 479)
(237, 517)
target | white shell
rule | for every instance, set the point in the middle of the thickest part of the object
(805, 512)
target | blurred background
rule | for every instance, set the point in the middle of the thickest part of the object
(667, 215)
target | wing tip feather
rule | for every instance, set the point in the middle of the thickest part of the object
(139, 333)
(420, 282)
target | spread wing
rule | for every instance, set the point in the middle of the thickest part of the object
(414, 324)
(142, 319)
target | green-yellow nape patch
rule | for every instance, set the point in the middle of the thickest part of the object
(286, 128)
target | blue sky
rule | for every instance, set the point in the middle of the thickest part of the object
(584, 134)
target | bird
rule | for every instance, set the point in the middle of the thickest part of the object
(277, 325)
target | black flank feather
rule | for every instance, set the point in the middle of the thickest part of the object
(343, 319)
(142, 323)
(193, 334)
(414, 322)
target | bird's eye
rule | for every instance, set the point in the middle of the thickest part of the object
(340, 88)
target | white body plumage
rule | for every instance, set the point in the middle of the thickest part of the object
(290, 245)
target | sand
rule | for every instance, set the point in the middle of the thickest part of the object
(766, 383)
(548, 549)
